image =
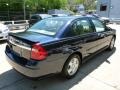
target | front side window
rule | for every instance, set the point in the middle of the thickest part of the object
(80, 27)
(98, 25)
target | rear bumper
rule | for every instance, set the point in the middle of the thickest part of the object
(32, 68)
(24, 70)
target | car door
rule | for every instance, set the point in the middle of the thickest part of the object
(102, 36)
(84, 36)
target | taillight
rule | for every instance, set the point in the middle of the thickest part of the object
(38, 52)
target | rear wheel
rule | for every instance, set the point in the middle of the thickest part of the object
(71, 67)
(112, 43)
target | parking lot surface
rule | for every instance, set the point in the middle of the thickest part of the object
(100, 73)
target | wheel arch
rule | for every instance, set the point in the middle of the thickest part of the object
(78, 53)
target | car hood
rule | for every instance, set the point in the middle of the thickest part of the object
(32, 37)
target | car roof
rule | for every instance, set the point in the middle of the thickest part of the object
(70, 18)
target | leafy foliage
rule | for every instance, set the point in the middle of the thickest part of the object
(42, 5)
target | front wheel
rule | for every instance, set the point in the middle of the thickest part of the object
(71, 67)
(112, 43)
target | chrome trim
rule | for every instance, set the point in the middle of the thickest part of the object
(27, 48)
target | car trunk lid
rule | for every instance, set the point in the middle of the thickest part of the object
(21, 43)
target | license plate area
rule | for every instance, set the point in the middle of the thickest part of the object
(21, 52)
(17, 50)
(20, 48)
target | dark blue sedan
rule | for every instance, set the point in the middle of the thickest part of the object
(58, 45)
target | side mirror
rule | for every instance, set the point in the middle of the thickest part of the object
(107, 28)
(106, 22)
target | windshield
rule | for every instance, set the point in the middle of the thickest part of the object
(48, 26)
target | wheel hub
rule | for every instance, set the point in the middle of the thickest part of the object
(73, 66)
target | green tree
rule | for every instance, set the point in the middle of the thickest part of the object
(40, 5)
(89, 4)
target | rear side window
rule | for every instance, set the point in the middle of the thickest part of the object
(80, 27)
(98, 25)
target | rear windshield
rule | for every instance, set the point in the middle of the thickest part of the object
(48, 26)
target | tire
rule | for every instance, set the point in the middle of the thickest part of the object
(71, 66)
(112, 43)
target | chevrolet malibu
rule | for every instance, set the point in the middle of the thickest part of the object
(58, 45)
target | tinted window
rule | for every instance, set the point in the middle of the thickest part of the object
(35, 17)
(48, 26)
(80, 27)
(98, 25)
